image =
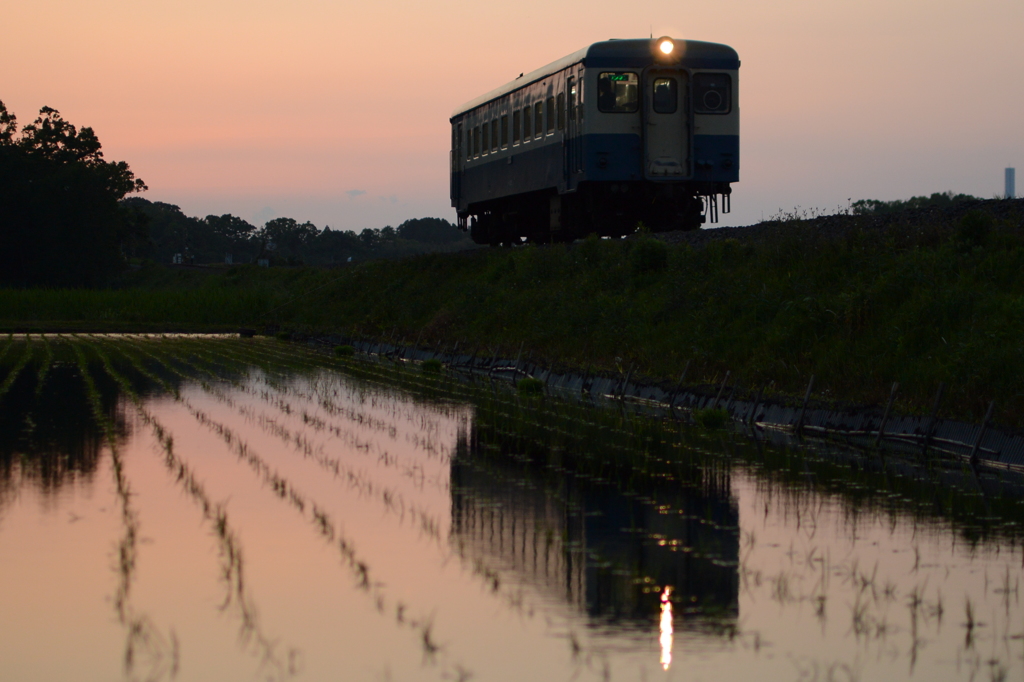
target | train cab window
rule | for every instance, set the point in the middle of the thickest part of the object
(561, 111)
(571, 87)
(486, 135)
(504, 131)
(527, 128)
(617, 92)
(494, 135)
(476, 141)
(538, 119)
(517, 121)
(665, 95)
(551, 115)
(712, 93)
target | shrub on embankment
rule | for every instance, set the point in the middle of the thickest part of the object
(917, 303)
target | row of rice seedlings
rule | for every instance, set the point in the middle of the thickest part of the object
(349, 414)
(312, 450)
(269, 357)
(320, 520)
(237, 597)
(44, 366)
(145, 643)
(6, 346)
(18, 366)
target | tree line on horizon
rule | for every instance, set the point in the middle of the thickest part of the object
(281, 241)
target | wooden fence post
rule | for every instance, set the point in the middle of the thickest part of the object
(803, 409)
(885, 415)
(720, 389)
(931, 420)
(981, 434)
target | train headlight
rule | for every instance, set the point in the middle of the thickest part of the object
(665, 46)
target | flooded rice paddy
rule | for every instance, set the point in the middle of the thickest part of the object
(226, 509)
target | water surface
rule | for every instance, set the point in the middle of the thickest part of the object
(211, 509)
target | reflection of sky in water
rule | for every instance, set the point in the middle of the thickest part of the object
(292, 522)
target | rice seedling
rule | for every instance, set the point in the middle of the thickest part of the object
(145, 646)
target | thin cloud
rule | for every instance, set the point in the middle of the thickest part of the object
(353, 193)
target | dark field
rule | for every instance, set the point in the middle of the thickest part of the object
(858, 301)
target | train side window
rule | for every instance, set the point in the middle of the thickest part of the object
(476, 142)
(456, 145)
(617, 92)
(551, 115)
(665, 95)
(504, 131)
(712, 93)
(538, 119)
(561, 111)
(517, 120)
(486, 135)
(571, 87)
(494, 135)
(527, 119)
(579, 98)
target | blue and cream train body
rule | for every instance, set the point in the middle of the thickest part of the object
(619, 133)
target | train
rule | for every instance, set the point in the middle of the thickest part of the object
(620, 135)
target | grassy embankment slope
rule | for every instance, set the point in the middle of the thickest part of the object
(919, 301)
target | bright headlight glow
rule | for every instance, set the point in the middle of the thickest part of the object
(666, 46)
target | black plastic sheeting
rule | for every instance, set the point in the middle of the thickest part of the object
(904, 433)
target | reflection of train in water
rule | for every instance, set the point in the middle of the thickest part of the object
(604, 550)
(619, 132)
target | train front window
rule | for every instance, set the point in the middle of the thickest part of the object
(617, 92)
(712, 93)
(665, 95)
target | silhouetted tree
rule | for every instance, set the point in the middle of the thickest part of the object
(60, 221)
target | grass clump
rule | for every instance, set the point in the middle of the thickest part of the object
(530, 386)
(432, 366)
(711, 417)
(345, 351)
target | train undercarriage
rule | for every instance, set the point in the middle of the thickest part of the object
(605, 209)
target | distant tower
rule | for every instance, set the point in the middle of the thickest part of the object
(1010, 192)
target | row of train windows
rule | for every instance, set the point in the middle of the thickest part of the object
(531, 122)
(617, 93)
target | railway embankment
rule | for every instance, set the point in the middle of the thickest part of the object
(918, 298)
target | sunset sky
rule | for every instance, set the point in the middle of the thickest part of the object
(337, 112)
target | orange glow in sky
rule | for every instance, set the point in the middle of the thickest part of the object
(337, 112)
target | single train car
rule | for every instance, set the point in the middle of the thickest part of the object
(618, 134)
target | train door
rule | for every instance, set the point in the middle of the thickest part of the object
(666, 124)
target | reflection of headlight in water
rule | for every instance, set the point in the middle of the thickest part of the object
(666, 628)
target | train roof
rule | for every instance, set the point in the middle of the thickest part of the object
(619, 54)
